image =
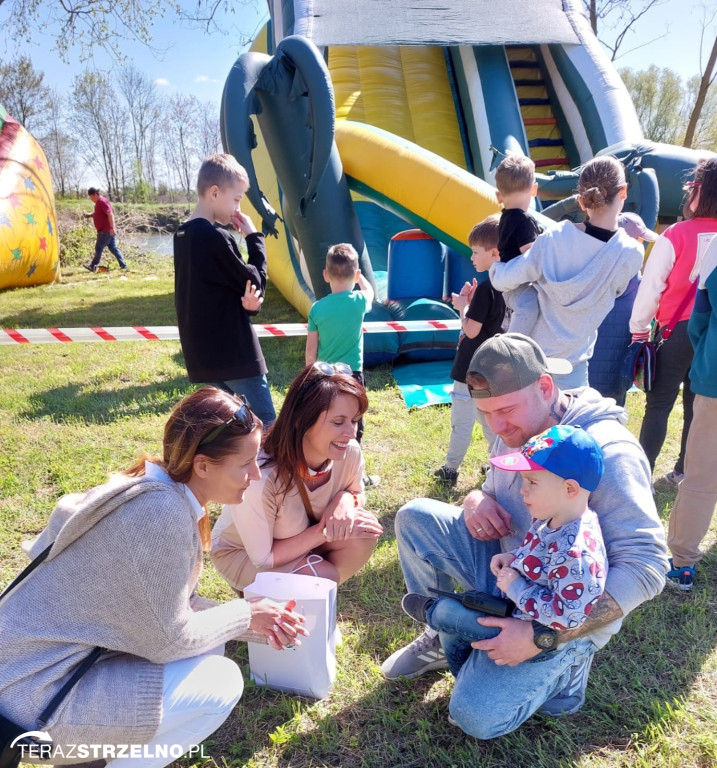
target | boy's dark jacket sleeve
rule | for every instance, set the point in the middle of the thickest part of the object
(235, 271)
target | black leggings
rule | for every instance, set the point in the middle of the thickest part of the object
(674, 358)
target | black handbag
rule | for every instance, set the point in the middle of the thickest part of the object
(13, 748)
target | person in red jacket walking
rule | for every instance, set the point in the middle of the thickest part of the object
(104, 221)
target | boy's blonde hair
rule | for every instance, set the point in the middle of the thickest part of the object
(220, 170)
(514, 174)
(485, 233)
(341, 261)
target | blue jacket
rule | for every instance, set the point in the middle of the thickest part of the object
(611, 345)
(702, 327)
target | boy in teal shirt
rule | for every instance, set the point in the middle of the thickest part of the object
(335, 322)
(335, 334)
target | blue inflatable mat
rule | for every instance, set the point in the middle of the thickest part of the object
(423, 384)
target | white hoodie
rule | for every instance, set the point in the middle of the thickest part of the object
(577, 278)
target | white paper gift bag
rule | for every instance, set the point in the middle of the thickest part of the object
(310, 668)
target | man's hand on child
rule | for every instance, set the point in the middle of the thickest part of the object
(485, 518)
(252, 298)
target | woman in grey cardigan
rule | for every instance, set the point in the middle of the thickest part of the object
(122, 575)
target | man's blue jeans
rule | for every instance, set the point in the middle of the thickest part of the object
(106, 240)
(255, 390)
(488, 700)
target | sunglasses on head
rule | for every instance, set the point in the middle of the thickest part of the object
(688, 186)
(329, 369)
(242, 415)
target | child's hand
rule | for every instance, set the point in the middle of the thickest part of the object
(242, 223)
(459, 301)
(252, 298)
(469, 289)
(500, 562)
(506, 577)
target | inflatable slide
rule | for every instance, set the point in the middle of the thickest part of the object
(359, 121)
(29, 251)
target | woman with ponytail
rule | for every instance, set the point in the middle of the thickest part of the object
(578, 270)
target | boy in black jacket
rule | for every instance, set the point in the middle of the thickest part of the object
(216, 292)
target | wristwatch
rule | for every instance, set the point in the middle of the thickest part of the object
(544, 637)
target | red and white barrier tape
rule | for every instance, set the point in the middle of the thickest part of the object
(171, 333)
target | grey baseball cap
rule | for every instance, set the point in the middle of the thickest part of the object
(509, 362)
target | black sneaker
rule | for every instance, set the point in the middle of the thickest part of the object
(684, 577)
(90, 268)
(415, 606)
(446, 475)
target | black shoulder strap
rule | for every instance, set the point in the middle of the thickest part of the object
(68, 686)
(28, 570)
(81, 668)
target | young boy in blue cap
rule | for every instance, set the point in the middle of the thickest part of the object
(555, 577)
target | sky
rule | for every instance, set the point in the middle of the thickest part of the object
(194, 62)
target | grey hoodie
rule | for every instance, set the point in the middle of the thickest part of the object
(577, 278)
(633, 534)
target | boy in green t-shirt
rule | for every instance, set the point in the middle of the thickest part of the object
(335, 322)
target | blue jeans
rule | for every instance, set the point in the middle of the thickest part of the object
(488, 700)
(106, 240)
(458, 628)
(255, 390)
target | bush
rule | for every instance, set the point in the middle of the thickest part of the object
(77, 245)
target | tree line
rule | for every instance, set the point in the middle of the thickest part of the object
(143, 144)
(140, 143)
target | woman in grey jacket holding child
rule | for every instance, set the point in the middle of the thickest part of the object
(122, 575)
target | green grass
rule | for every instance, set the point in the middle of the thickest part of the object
(70, 414)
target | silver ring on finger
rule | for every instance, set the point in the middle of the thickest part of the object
(479, 529)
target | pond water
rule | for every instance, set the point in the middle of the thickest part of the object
(150, 242)
(154, 242)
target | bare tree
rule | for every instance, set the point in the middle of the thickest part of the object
(142, 99)
(85, 24)
(208, 130)
(706, 81)
(60, 147)
(180, 137)
(101, 123)
(24, 94)
(613, 20)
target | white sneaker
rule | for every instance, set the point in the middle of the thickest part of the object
(423, 655)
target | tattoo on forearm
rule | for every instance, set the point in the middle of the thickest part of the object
(604, 611)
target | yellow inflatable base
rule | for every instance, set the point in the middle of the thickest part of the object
(29, 248)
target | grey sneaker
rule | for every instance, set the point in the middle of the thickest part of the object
(415, 606)
(371, 481)
(571, 698)
(423, 655)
